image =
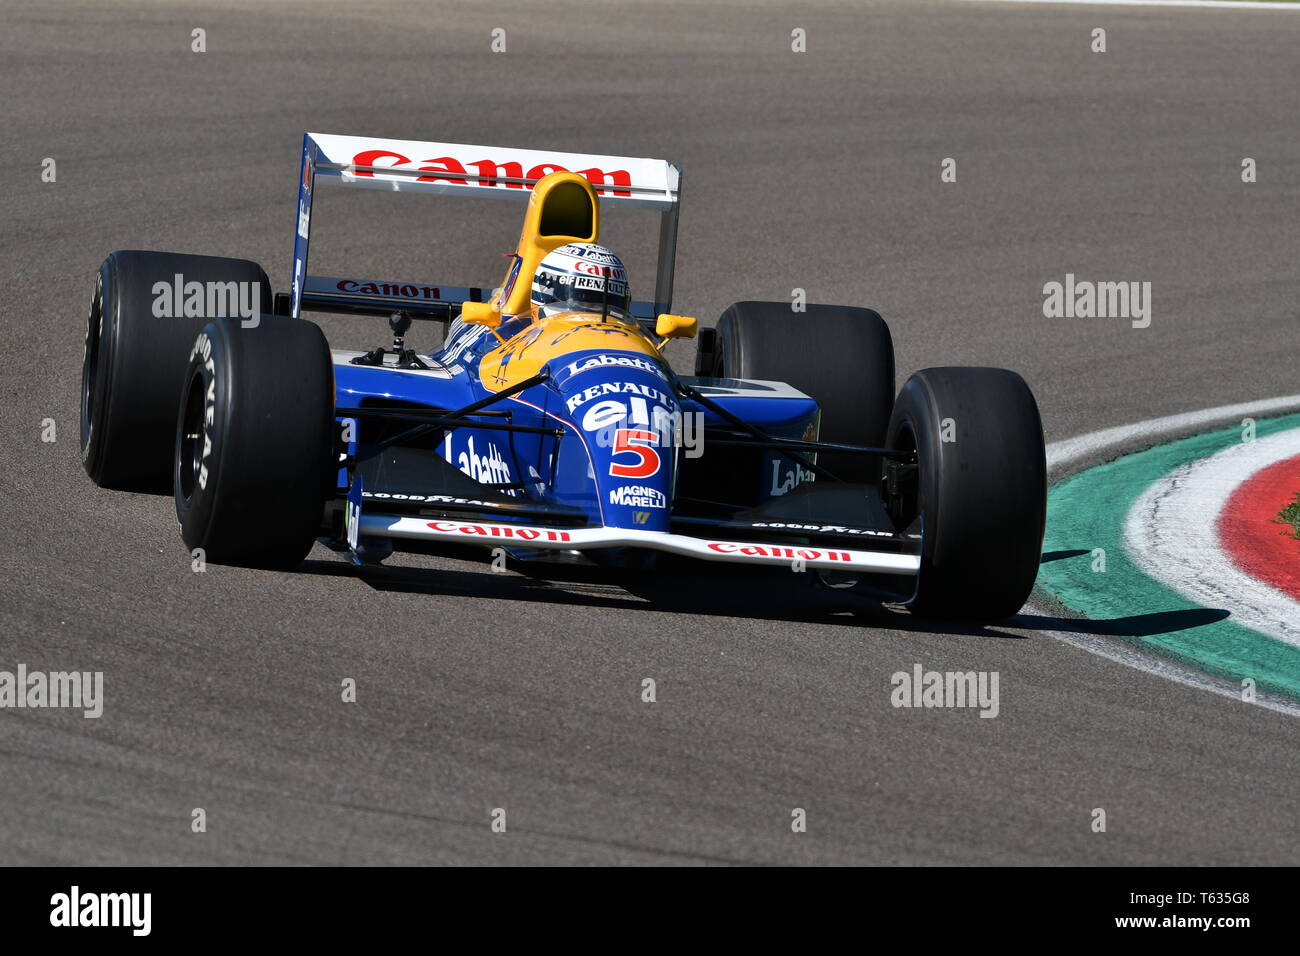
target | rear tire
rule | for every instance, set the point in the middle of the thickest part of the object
(840, 356)
(981, 496)
(254, 441)
(135, 362)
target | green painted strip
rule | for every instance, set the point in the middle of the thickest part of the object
(1087, 511)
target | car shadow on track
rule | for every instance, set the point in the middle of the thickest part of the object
(1136, 625)
(1062, 555)
(762, 594)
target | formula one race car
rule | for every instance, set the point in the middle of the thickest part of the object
(549, 423)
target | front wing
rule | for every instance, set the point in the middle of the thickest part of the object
(576, 539)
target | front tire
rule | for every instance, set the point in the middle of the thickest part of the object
(254, 441)
(979, 487)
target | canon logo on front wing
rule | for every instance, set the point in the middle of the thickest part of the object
(773, 551)
(501, 531)
(489, 171)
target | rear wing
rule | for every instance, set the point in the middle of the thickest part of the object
(472, 171)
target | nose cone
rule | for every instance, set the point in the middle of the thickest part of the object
(625, 409)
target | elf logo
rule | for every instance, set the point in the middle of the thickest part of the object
(74, 909)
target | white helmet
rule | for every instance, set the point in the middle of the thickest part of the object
(582, 277)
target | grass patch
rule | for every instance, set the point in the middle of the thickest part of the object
(1290, 515)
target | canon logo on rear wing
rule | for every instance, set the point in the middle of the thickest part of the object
(372, 295)
(487, 172)
(392, 290)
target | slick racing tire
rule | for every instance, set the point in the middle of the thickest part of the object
(979, 486)
(135, 361)
(254, 441)
(840, 356)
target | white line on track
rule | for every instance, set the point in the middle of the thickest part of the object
(1220, 4)
(1061, 455)
(1065, 456)
(1170, 535)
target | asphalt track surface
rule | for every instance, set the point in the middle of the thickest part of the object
(478, 690)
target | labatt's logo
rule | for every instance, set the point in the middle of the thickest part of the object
(492, 172)
(792, 479)
(613, 361)
(797, 476)
(487, 469)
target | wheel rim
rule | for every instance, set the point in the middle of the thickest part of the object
(189, 453)
(902, 495)
(90, 361)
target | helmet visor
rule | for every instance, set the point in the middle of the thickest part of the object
(578, 292)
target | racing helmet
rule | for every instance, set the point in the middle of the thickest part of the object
(577, 278)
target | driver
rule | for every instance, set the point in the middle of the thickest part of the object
(582, 277)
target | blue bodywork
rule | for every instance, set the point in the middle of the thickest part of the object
(613, 440)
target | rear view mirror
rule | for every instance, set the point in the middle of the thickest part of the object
(676, 326)
(480, 313)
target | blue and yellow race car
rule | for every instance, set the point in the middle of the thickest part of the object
(549, 423)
